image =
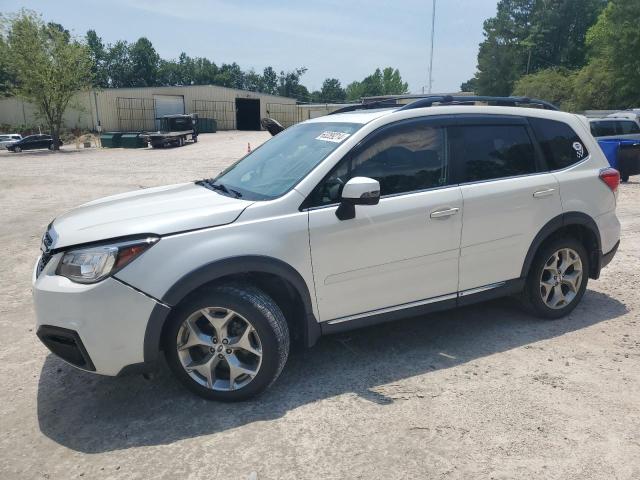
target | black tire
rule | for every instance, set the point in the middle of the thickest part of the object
(532, 294)
(624, 178)
(263, 314)
(50, 147)
(195, 139)
(17, 149)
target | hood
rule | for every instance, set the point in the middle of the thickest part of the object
(161, 210)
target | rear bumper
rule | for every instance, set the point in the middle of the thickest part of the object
(606, 258)
(98, 327)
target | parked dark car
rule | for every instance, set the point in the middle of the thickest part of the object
(33, 142)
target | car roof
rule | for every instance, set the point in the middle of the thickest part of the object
(611, 119)
(366, 116)
(357, 116)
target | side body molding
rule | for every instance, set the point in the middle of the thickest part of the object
(565, 220)
(221, 268)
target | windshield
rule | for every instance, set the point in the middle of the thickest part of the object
(280, 163)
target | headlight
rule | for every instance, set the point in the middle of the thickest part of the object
(92, 264)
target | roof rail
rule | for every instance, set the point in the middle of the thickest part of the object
(462, 100)
(386, 103)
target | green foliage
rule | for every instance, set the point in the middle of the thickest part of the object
(380, 82)
(556, 85)
(289, 85)
(48, 66)
(614, 43)
(331, 92)
(594, 86)
(470, 85)
(144, 63)
(527, 36)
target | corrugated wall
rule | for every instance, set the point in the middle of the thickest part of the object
(86, 108)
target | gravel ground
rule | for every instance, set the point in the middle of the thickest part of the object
(479, 392)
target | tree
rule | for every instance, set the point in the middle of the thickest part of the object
(98, 55)
(230, 75)
(144, 63)
(253, 81)
(470, 85)
(289, 85)
(49, 66)
(270, 81)
(555, 85)
(354, 91)
(613, 43)
(392, 83)
(118, 65)
(527, 36)
(595, 86)
(331, 92)
(380, 82)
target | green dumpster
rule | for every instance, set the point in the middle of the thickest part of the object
(132, 140)
(206, 125)
(111, 139)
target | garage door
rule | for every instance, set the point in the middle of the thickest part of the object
(168, 105)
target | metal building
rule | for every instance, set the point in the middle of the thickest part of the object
(135, 109)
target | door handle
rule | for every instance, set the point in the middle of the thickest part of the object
(447, 212)
(544, 193)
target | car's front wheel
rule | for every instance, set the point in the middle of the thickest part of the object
(227, 344)
(17, 149)
(558, 278)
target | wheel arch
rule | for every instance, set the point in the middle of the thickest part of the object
(267, 273)
(577, 224)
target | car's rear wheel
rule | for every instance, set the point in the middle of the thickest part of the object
(51, 146)
(228, 344)
(558, 278)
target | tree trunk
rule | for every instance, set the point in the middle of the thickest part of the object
(55, 135)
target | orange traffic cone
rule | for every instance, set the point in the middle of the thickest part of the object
(248, 148)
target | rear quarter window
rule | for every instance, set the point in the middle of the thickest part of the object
(561, 145)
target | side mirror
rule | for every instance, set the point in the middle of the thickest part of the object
(357, 191)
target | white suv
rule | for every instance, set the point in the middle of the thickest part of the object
(336, 223)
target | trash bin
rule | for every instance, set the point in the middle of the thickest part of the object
(133, 140)
(206, 125)
(623, 155)
(111, 139)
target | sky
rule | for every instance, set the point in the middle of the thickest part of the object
(344, 39)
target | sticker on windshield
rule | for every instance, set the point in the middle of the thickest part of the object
(335, 137)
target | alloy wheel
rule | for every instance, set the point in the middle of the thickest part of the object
(219, 349)
(561, 278)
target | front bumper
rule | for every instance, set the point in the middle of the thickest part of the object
(97, 327)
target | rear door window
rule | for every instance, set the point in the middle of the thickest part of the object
(487, 152)
(603, 128)
(628, 127)
(561, 146)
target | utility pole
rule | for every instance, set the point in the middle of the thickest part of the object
(433, 27)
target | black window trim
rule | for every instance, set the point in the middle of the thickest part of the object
(547, 168)
(441, 121)
(497, 120)
(445, 121)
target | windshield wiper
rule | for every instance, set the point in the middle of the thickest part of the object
(220, 187)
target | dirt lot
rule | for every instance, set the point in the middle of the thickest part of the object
(480, 392)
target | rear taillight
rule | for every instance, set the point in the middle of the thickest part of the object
(611, 177)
